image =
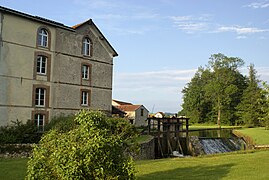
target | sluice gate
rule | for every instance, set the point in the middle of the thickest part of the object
(171, 136)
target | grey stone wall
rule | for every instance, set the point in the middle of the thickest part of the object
(146, 151)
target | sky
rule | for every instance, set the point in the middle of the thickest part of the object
(161, 43)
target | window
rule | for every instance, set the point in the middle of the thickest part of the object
(41, 65)
(85, 72)
(42, 37)
(142, 112)
(39, 121)
(84, 98)
(40, 94)
(86, 46)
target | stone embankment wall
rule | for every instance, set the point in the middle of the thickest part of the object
(146, 151)
(15, 150)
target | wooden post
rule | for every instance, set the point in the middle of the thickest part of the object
(149, 123)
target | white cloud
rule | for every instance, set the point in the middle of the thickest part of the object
(191, 24)
(263, 72)
(151, 79)
(241, 30)
(241, 37)
(258, 5)
(159, 88)
(204, 23)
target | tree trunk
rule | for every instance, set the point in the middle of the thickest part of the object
(219, 111)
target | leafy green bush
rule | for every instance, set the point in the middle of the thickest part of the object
(94, 149)
(61, 123)
(19, 133)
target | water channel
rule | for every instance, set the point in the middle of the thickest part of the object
(212, 141)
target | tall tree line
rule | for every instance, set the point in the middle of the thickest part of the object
(219, 93)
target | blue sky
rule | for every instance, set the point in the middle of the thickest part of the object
(161, 43)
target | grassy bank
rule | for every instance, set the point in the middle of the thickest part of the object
(259, 135)
(238, 165)
(13, 169)
(223, 166)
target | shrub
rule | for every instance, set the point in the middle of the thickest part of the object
(94, 149)
(61, 123)
(19, 133)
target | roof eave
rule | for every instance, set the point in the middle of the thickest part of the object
(35, 18)
(102, 37)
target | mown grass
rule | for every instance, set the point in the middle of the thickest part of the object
(259, 135)
(222, 166)
(252, 165)
(238, 165)
(209, 126)
(13, 169)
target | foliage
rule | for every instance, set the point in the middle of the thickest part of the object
(94, 149)
(61, 123)
(195, 106)
(19, 133)
(215, 91)
(265, 107)
(249, 110)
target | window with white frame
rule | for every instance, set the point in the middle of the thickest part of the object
(40, 94)
(43, 37)
(39, 122)
(84, 98)
(85, 71)
(41, 65)
(86, 46)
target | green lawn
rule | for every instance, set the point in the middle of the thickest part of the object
(206, 126)
(259, 135)
(12, 169)
(223, 166)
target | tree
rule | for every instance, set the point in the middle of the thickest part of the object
(93, 149)
(265, 107)
(249, 110)
(222, 87)
(215, 91)
(194, 105)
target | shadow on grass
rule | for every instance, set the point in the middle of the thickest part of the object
(196, 172)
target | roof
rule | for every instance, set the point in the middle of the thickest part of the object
(129, 107)
(160, 113)
(59, 25)
(102, 37)
(122, 102)
(117, 110)
(35, 18)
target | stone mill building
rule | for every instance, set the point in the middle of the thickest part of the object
(48, 69)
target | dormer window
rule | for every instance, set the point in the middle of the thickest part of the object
(43, 37)
(86, 50)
